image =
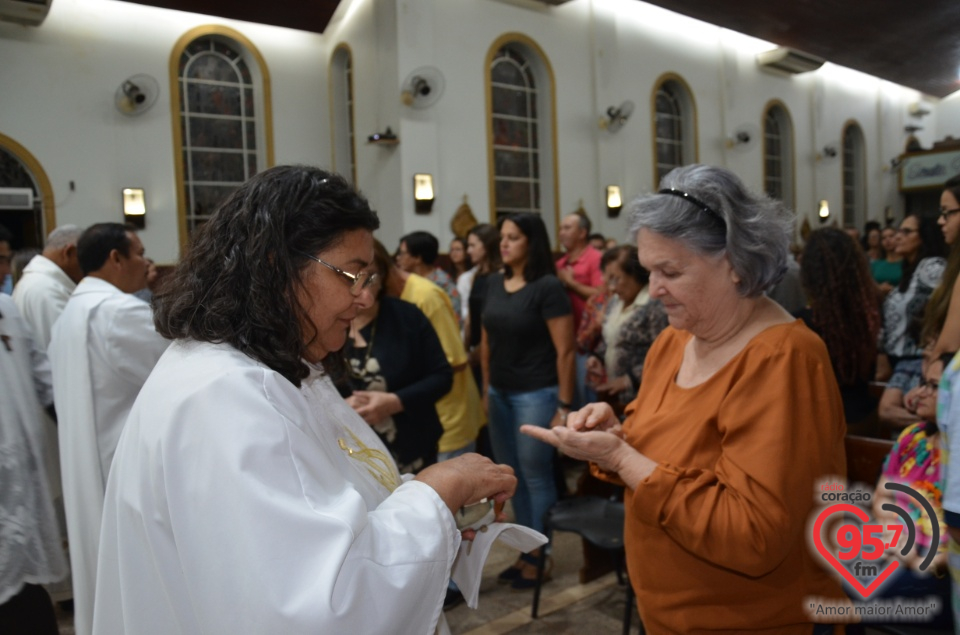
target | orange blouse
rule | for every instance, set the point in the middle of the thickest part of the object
(716, 537)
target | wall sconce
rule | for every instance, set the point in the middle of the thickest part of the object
(134, 207)
(423, 193)
(824, 210)
(385, 138)
(614, 201)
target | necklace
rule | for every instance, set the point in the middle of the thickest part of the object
(361, 372)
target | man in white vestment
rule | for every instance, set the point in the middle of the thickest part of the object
(47, 282)
(31, 551)
(102, 349)
(40, 294)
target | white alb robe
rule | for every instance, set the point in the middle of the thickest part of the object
(31, 550)
(239, 503)
(103, 347)
(41, 293)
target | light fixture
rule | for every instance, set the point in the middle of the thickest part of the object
(134, 207)
(386, 138)
(423, 193)
(824, 211)
(614, 201)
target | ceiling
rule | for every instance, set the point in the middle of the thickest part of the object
(915, 44)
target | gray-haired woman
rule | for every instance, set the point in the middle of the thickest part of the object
(738, 416)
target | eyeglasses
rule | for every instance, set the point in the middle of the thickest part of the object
(906, 231)
(358, 281)
(930, 384)
(947, 213)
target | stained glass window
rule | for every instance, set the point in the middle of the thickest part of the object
(218, 118)
(516, 130)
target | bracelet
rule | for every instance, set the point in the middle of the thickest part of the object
(563, 414)
(566, 405)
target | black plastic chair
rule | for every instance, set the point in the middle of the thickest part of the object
(600, 522)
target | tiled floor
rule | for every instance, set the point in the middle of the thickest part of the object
(566, 606)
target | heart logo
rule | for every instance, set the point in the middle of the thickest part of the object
(864, 591)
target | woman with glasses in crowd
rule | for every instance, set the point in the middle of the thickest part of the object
(920, 243)
(245, 494)
(915, 461)
(943, 312)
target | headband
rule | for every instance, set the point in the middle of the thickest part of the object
(687, 197)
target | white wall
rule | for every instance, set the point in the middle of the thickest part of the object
(57, 84)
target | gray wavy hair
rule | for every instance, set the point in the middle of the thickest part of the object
(752, 231)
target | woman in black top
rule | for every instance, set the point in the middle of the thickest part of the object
(527, 355)
(397, 371)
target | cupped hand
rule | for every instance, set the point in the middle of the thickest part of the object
(601, 447)
(375, 406)
(468, 479)
(594, 416)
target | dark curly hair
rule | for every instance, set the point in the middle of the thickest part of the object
(238, 282)
(843, 304)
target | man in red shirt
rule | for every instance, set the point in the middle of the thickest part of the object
(579, 268)
(579, 271)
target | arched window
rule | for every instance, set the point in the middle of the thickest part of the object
(778, 154)
(30, 217)
(222, 93)
(674, 126)
(854, 182)
(341, 113)
(521, 117)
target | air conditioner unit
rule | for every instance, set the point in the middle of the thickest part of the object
(16, 198)
(788, 61)
(27, 12)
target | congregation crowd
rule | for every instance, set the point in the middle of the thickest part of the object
(284, 425)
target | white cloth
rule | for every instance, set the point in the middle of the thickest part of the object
(31, 550)
(239, 503)
(464, 284)
(40, 294)
(102, 349)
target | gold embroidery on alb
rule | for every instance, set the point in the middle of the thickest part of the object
(379, 465)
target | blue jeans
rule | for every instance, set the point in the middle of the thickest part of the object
(445, 456)
(532, 460)
(585, 394)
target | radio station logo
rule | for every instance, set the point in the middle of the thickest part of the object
(857, 548)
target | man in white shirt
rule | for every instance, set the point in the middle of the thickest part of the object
(102, 349)
(47, 282)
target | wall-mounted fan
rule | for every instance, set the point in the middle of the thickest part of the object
(744, 138)
(422, 88)
(136, 94)
(617, 116)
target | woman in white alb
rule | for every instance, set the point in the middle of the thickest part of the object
(246, 496)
